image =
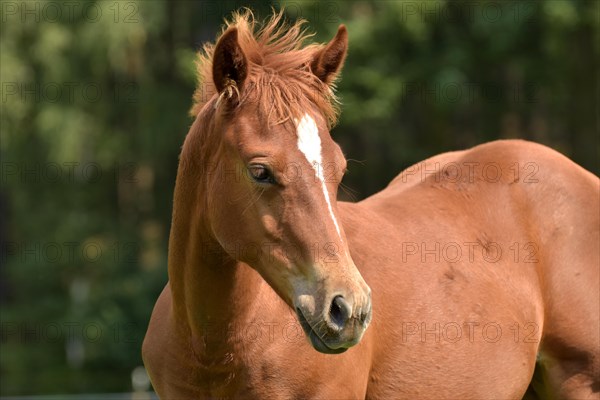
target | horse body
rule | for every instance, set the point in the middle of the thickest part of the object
(480, 263)
(465, 329)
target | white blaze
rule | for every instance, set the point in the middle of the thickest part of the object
(309, 144)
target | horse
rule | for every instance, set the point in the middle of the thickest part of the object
(473, 275)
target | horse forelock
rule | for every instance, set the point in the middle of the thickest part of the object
(279, 81)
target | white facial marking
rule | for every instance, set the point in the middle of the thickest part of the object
(309, 144)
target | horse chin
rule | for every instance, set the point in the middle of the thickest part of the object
(317, 343)
(320, 345)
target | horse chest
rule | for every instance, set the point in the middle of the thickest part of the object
(235, 372)
(217, 373)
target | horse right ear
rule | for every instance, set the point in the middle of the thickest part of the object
(229, 66)
(328, 62)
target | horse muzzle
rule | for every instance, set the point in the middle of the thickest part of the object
(340, 327)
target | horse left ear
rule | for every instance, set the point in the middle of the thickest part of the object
(230, 66)
(328, 62)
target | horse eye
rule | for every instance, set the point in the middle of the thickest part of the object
(261, 174)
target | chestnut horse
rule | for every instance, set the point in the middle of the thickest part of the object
(472, 270)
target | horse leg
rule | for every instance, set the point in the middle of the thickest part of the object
(570, 348)
(569, 272)
(576, 379)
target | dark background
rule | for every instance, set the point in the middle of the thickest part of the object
(95, 100)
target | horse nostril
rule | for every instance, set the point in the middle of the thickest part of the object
(339, 312)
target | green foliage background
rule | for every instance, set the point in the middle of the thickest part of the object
(102, 97)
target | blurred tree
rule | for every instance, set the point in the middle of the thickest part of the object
(95, 98)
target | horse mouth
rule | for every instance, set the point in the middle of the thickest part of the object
(316, 341)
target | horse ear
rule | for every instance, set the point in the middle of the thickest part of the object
(229, 67)
(328, 62)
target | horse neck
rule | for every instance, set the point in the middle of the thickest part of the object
(208, 287)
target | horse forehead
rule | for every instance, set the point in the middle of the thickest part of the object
(298, 137)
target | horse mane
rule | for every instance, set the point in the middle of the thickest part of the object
(279, 74)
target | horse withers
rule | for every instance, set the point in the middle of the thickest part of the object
(458, 279)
